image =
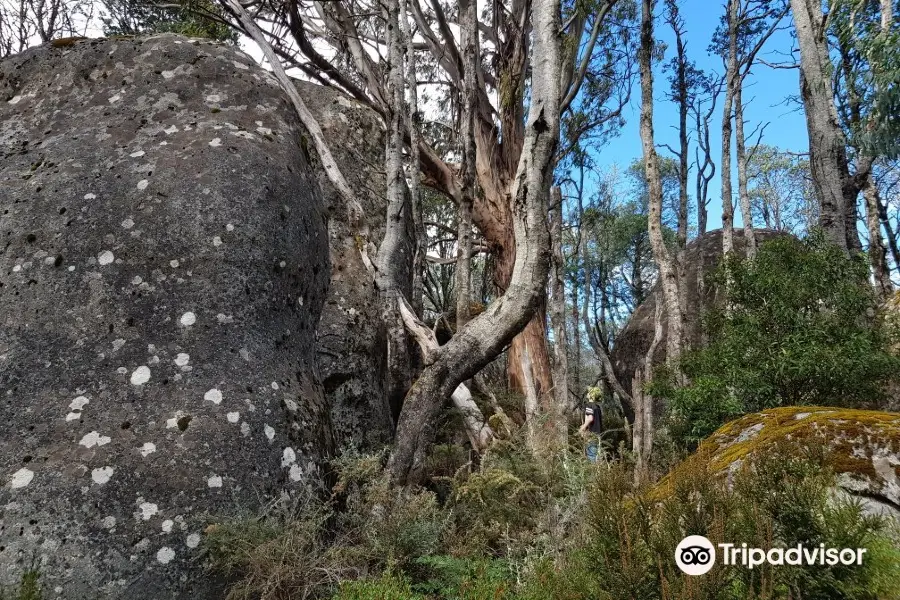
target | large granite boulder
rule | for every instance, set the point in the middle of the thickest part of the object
(163, 265)
(701, 258)
(861, 447)
(351, 338)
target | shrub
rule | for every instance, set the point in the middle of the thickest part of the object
(796, 327)
(386, 587)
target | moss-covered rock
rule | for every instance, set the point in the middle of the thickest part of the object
(861, 447)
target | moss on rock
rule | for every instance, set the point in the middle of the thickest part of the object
(862, 447)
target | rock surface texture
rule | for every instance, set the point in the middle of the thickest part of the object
(701, 258)
(351, 341)
(861, 447)
(163, 264)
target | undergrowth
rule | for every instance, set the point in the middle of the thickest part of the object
(517, 529)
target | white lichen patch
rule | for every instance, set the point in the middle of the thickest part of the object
(296, 473)
(193, 540)
(264, 130)
(165, 555)
(168, 74)
(141, 375)
(167, 525)
(21, 478)
(288, 457)
(172, 129)
(79, 403)
(274, 385)
(149, 447)
(142, 185)
(216, 142)
(73, 416)
(214, 395)
(224, 319)
(90, 196)
(94, 439)
(229, 227)
(269, 431)
(148, 509)
(114, 99)
(233, 417)
(117, 344)
(237, 65)
(137, 154)
(127, 223)
(108, 522)
(174, 263)
(188, 319)
(245, 429)
(214, 98)
(214, 481)
(105, 258)
(217, 241)
(102, 475)
(182, 359)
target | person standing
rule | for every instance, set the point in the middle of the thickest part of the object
(591, 429)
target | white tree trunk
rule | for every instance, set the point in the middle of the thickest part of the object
(668, 274)
(730, 83)
(560, 397)
(743, 193)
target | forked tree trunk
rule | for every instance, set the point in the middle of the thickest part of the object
(487, 334)
(668, 275)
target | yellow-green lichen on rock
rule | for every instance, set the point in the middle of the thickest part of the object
(862, 447)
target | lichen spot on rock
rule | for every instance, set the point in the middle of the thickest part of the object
(269, 431)
(214, 395)
(216, 142)
(147, 449)
(215, 481)
(182, 359)
(94, 439)
(188, 319)
(142, 185)
(193, 540)
(233, 417)
(141, 375)
(21, 478)
(102, 475)
(148, 509)
(165, 555)
(105, 258)
(288, 457)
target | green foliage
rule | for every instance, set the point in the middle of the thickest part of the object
(796, 327)
(386, 587)
(192, 18)
(571, 531)
(29, 587)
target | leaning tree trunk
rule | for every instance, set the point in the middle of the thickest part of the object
(827, 144)
(743, 193)
(487, 334)
(668, 274)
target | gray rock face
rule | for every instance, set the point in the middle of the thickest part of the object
(351, 340)
(163, 264)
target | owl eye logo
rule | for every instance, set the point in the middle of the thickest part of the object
(695, 555)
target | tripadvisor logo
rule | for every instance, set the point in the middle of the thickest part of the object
(696, 555)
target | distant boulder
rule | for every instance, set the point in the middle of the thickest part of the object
(163, 264)
(701, 258)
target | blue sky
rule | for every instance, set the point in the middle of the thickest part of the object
(766, 96)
